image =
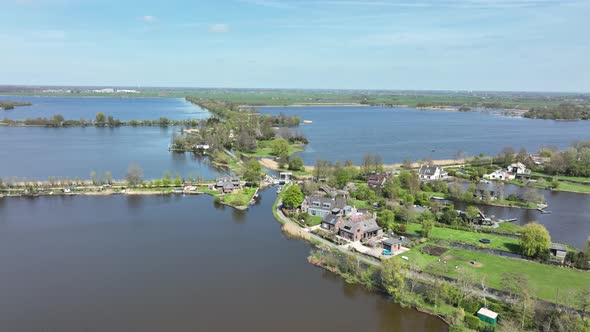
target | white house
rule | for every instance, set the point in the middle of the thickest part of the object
(500, 174)
(432, 172)
(518, 170)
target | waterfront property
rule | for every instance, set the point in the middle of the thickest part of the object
(360, 230)
(518, 170)
(432, 172)
(537, 160)
(320, 206)
(228, 184)
(558, 251)
(332, 222)
(499, 174)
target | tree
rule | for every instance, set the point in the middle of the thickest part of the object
(100, 119)
(367, 163)
(534, 240)
(93, 177)
(507, 155)
(253, 172)
(134, 175)
(321, 170)
(293, 197)
(378, 163)
(386, 218)
(588, 247)
(427, 225)
(109, 177)
(295, 164)
(392, 278)
(280, 147)
(472, 213)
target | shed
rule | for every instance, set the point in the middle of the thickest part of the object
(392, 244)
(558, 250)
(487, 316)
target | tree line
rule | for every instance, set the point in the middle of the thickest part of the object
(565, 111)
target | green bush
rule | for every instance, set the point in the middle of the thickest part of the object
(473, 322)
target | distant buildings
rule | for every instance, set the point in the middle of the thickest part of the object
(432, 172)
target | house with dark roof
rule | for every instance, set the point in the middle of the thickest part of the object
(360, 230)
(377, 179)
(227, 184)
(316, 205)
(393, 244)
(537, 160)
(558, 250)
(432, 172)
(332, 222)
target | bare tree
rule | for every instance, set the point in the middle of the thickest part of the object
(134, 175)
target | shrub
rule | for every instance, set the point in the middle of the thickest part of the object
(473, 322)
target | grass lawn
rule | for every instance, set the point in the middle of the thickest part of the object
(563, 186)
(545, 280)
(454, 235)
(205, 189)
(240, 198)
(264, 149)
(359, 204)
(315, 220)
(563, 177)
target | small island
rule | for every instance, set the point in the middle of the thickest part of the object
(8, 105)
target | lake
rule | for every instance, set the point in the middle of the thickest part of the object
(172, 263)
(569, 221)
(124, 109)
(347, 133)
(39, 152)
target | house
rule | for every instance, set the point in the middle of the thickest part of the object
(432, 172)
(202, 146)
(227, 184)
(487, 316)
(558, 250)
(377, 179)
(333, 192)
(393, 244)
(361, 230)
(518, 170)
(285, 177)
(537, 160)
(500, 174)
(321, 206)
(332, 222)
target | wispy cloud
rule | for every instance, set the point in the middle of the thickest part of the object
(219, 28)
(148, 18)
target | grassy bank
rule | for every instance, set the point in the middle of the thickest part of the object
(546, 281)
(241, 197)
(498, 242)
(264, 149)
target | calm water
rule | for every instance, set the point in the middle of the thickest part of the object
(125, 109)
(347, 133)
(37, 153)
(568, 222)
(174, 263)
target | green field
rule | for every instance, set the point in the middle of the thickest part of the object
(264, 149)
(503, 243)
(239, 198)
(545, 280)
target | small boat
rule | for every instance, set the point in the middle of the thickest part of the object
(307, 121)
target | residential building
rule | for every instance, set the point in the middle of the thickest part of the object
(500, 174)
(392, 244)
(377, 179)
(316, 205)
(518, 170)
(432, 172)
(332, 222)
(537, 160)
(361, 230)
(228, 184)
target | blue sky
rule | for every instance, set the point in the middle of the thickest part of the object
(525, 45)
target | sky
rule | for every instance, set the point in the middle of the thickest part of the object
(495, 45)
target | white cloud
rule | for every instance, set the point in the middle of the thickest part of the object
(148, 18)
(219, 28)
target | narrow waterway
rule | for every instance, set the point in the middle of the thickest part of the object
(172, 263)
